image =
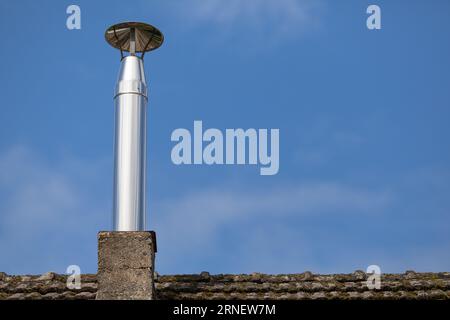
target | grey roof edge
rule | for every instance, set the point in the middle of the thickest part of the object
(299, 286)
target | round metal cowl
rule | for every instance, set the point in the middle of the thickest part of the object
(147, 36)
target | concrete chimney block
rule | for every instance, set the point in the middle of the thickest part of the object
(126, 261)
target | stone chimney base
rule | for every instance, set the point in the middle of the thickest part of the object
(126, 264)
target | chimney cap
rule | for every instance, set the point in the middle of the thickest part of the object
(146, 36)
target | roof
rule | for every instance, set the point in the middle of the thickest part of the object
(302, 286)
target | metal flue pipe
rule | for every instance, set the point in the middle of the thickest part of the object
(130, 146)
(130, 142)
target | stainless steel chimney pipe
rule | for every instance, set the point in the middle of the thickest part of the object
(130, 146)
(130, 142)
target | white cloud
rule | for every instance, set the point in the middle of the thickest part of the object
(193, 225)
(320, 226)
(48, 210)
(255, 10)
(269, 17)
(50, 213)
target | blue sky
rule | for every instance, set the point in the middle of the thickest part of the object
(363, 116)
